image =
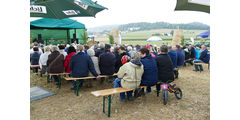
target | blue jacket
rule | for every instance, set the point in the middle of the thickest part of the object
(180, 57)
(150, 75)
(173, 55)
(80, 64)
(107, 63)
(197, 53)
(205, 56)
(34, 58)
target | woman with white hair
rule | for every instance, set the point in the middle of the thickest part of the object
(91, 53)
(129, 75)
(43, 59)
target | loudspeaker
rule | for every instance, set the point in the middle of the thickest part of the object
(74, 38)
(40, 39)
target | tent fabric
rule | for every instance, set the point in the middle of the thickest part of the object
(154, 39)
(193, 5)
(56, 23)
(204, 34)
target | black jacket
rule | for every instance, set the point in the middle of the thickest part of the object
(98, 52)
(107, 63)
(165, 68)
(118, 62)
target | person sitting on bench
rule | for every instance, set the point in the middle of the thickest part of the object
(79, 66)
(129, 75)
(150, 75)
(204, 58)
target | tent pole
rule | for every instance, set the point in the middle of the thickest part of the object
(68, 37)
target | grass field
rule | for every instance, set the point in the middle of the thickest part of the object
(140, 37)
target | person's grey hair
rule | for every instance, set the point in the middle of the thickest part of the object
(164, 48)
(102, 45)
(169, 47)
(54, 48)
(135, 55)
(47, 48)
(80, 47)
(91, 52)
(129, 48)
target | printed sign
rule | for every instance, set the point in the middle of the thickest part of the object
(79, 3)
(69, 12)
(38, 9)
(201, 2)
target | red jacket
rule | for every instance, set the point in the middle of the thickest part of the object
(67, 61)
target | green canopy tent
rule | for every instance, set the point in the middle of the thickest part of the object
(193, 5)
(60, 9)
(57, 31)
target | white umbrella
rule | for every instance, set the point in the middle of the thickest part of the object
(154, 39)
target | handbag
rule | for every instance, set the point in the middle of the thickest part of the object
(138, 91)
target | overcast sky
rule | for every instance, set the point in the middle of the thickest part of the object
(129, 11)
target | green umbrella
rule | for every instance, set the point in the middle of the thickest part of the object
(60, 9)
(193, 5)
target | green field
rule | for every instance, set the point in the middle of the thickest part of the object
(140, 37)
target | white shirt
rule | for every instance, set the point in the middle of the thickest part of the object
(63, 53)
(43, 59)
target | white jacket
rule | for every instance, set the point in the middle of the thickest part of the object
(43, 59)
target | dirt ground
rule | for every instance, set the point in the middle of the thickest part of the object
(65, 105)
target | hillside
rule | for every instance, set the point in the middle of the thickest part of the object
(140, 26)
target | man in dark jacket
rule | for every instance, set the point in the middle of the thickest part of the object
(121, 53)
(165, 66)
(107, 61)
(100, 50)
(204, 58)
(80, 64)
(55, 63)
(181, 56)
(173, 55)
(150, 75)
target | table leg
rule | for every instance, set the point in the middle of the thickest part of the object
(77, 86)
(109, 105)
(103, 104)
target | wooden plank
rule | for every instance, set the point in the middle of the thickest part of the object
(106, 92)
(89, 77)
(81, 78)
(34, 66)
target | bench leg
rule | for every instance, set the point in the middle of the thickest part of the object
(59, 83)
(103, 104)
(109, 105)
(77, 86)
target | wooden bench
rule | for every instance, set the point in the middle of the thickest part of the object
(108, 93)
(85, 78)
(59, 76)
(202, 64)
